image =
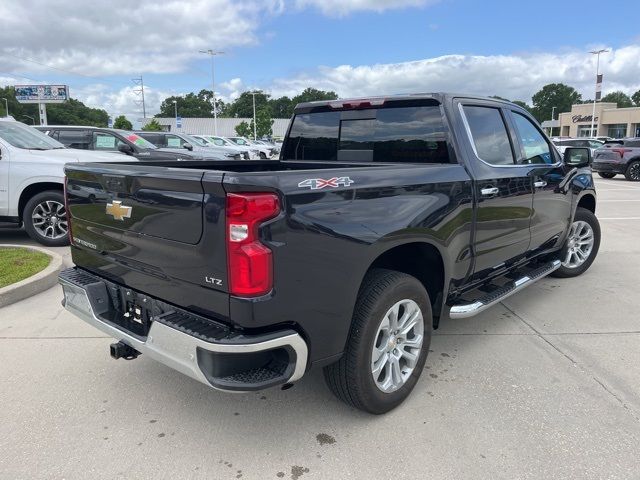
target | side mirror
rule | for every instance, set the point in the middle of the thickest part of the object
(125, 148)
(577, 157)
(188, 146)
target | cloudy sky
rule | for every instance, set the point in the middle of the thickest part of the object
(355, 47)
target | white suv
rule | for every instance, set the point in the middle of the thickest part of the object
(32, 180)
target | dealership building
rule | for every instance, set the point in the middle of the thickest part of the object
(610, 121)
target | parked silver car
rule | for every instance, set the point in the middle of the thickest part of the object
(213, 140)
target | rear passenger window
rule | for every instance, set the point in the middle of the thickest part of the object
(80, 139)
(411, 134)
(535, 147)
(489, 135)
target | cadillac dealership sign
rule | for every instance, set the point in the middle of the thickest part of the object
(583, 118)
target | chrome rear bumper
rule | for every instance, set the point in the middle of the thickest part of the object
(194, 356)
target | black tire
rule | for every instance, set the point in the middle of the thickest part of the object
(633, 171)
(606, 174)
(351, 378)
(32, 230)
(584, 215)
(263, 156)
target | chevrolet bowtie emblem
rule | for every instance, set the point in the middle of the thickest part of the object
(118, 211)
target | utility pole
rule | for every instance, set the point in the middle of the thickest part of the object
(213, 54)
(553, 109)
(6, 107)
(598, 88)
(140, 91)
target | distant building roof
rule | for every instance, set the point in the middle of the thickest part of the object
(205, 126)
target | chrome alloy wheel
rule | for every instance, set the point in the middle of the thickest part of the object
(634, 171)
(397, 345)
(579, 244)
(50, 220)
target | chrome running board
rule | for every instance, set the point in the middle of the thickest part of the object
(467, 310)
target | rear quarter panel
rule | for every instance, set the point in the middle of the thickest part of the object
(325, 240)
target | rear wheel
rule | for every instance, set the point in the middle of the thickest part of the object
(263, 156)
(606, 174)
(45, 219)
(633, 171)
(582, 245)
(388, 343)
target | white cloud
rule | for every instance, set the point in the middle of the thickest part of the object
(123, 37)
(516, 76)
(338, 8)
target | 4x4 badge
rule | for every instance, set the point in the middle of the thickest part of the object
(118, 211)
(320, 183)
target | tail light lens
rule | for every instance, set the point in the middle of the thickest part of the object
(66, 209)
(620, 151)
(250, 263)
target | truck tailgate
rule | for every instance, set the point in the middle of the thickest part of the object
(151, 228)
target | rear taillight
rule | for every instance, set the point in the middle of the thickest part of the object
(249, 261)
(620, 151)
(66, 209)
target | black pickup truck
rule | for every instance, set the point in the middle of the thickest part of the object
(382, 217)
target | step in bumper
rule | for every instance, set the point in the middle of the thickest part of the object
(234, 363)
(470, 309)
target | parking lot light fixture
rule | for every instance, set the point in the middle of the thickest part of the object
(213, 54)
(593, 113)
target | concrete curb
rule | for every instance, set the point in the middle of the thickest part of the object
(35, 284)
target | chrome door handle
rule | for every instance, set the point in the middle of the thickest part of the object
(489, 191)
(540, 184)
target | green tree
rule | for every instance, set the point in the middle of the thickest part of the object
(619, 98)
(264, 123)
(281, 107)
(242, 107)
(244, 130)
(122, 123)
(557, 95)
(74, 112)
(636, 98)
(522, 104)
(152, 126)
(189, 105)
(312, 95)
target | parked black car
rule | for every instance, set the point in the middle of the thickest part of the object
(112, 139)
(383, 217)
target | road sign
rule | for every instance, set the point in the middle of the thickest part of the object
(110, 122)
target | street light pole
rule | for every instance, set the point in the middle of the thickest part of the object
(593, 113)
(175, 107)
(553, 109)
(213, 86)
(6, 107)
(255, 136)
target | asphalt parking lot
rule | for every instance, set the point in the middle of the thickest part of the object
(546, 385)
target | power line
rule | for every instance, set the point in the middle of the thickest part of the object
(46, 65)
